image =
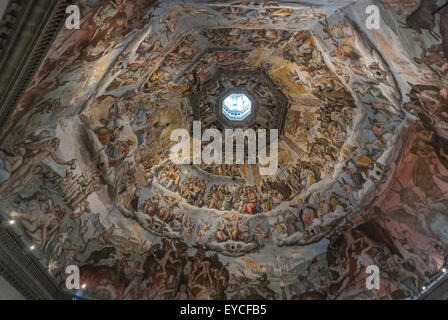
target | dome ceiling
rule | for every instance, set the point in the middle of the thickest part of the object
(362, 172)
(267, 103)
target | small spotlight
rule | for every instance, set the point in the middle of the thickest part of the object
(444, 270)
(84, 286)
(11, 222)
(32, 247)
(423, 288)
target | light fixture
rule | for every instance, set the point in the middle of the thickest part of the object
(84, 286)
(444, 270)
(32, 248)
(423, 288)
(11, 222)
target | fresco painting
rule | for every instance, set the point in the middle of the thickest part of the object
(363, 152)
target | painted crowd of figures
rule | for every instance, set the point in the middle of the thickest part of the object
(92, 186)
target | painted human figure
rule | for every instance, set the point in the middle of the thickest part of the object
(137, 274)
(39, 152)
(250, 206)
(9, 162)
(221, 232)
(307, 215)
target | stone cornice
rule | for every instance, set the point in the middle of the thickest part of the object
(23, 271)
